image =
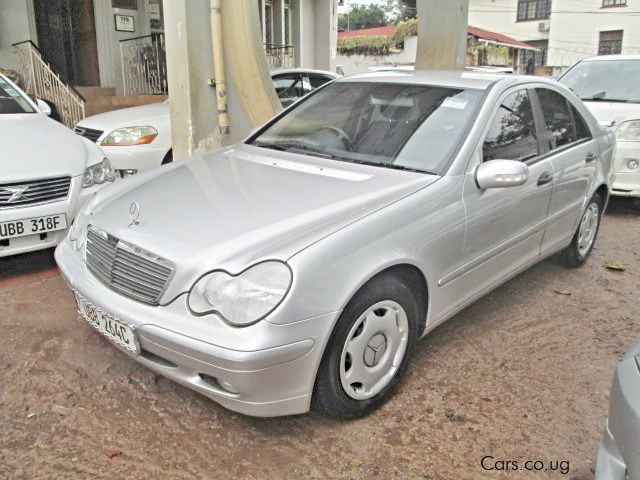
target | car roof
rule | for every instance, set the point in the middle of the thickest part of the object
(304, 70)
(605, 58)
(444, 78)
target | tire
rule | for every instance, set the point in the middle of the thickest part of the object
(366, 341)
(580, 247)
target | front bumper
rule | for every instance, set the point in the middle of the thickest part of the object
(261, 370)
(618, 454)
(137, 157)
(70, 206)
(627, 182)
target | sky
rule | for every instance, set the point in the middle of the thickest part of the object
(353, 2)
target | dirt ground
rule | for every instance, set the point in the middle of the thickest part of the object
(522, 375)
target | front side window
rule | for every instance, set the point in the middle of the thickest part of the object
(402, 126)
(289, 88)
(533, 10)
(512, 134)
(559, 120)
(318, 80)
(11, 101)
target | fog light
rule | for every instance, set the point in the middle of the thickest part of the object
(227, 386)
(127, 173)
(632, 164)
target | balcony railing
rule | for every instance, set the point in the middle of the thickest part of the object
(144, 65)
(40, 81)
(280, 56)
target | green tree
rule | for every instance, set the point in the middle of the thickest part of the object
(363, 16)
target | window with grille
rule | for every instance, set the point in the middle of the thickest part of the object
(614, 3)
(610, 43)
(533, 10)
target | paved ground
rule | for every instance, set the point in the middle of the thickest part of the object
(522, 375)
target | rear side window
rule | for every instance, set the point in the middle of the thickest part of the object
(318, 80)
(512, 134)
(561, 128)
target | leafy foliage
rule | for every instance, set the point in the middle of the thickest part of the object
(405, 29)
(363, 16)
(364, 45)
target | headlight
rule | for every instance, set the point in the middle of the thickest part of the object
(128, 136)
(629, 131)
(245, 298)
(98, 173)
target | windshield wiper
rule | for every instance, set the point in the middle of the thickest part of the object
(390, 165)
(287, 146)
(597, 98)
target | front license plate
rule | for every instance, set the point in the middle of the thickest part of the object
(109, 326)
(31, 226)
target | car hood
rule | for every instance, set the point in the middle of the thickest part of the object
(616, 112)
(234, 207)
(33, 145)
(150, 114)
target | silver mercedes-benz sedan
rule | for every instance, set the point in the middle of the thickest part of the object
(297, 269)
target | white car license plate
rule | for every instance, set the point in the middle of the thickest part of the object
(109, 326)
(31, 226)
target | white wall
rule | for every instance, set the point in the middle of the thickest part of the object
(575, 35)
(352, 64)
(500, 16)
(574, 26)
(17, 23)
(108, 39)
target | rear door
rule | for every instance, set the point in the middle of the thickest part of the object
(505, 226)
(569, 145)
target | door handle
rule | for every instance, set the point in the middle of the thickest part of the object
(545, 178)
(590, 157)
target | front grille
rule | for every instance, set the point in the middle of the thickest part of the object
(33, 192)
(89, 133)
(127, 269)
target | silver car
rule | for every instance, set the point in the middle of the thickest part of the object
(298, 268)
(618, 455)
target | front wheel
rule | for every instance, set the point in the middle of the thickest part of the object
(368, 350)
(583, 240)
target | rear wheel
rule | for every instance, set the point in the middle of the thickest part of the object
(583, 240)
(368, 350)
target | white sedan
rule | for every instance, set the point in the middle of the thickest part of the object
(46, 173)
(139, 138)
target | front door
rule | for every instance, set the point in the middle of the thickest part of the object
(505, 226)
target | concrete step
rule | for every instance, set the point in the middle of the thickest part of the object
(92, 92)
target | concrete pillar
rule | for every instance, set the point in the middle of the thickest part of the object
(326, 34)
(442, 34)
(251, 96)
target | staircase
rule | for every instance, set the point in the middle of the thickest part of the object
(104, 99)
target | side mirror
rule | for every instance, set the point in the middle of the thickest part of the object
(43, 107)
(501, 173)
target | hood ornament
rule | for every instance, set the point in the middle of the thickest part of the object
(134, 214)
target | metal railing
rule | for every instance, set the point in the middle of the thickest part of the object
(280, 56)
(144, 65)
(40, 81)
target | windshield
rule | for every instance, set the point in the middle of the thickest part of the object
(407, 127)
(11, 101)
(605, 80)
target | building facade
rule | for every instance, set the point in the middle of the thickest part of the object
(119, 44)
(564, 31)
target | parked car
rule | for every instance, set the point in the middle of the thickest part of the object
(46, 173)
(298, 269)
(618, 457)
(608, 86)
(139, 138)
